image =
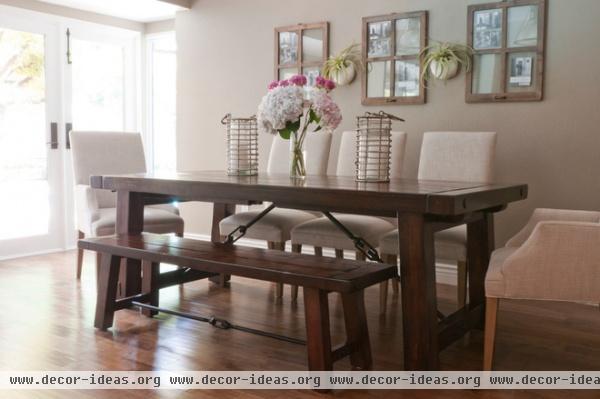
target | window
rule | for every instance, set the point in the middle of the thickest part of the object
(301, 49)
(508, 51)
(161, 101)
(391, 54)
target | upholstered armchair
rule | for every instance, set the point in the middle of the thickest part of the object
(555, 257)
(111, 153)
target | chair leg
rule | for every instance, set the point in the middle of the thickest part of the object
(491, 315)
(357, 330)
(383, 286)
(339, 253)
(383, 294)
(318, 338)
(318, 251)
(280, 246)
(296, 248)
(150, 273)
(360, 256)
(80, 236)
(107, 291)
(393, 260)
(461, 283)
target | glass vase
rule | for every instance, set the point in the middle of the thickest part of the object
(297, 156)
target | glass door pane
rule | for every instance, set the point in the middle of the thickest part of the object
(31, 214)
(23, 154)
(98, 96)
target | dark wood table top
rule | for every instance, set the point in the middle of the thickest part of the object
(333, 193)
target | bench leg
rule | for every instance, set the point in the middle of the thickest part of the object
(318, 339)
(150, 276)
(357, 331)
(107, 291)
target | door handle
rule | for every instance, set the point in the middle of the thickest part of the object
(68, 128)
(53, 143)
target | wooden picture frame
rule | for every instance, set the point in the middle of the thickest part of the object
(295, 61)
(506, 68)
(393, 59)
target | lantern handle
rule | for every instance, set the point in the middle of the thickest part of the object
(382, 114)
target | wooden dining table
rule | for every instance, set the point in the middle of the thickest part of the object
(420, 207)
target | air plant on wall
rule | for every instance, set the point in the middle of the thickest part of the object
(442, 60)
(342, 67)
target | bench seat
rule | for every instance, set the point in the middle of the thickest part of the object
(317, 275)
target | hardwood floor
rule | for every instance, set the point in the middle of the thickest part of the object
(47, 321)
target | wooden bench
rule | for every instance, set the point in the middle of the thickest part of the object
(317, 275)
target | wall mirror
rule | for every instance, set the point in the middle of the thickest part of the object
(301, 49)
(391, 47)
(508, 58)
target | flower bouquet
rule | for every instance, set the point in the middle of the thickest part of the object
(285, 111)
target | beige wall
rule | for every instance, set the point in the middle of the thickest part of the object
(226, 60)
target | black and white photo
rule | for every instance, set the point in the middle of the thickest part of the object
(487, 29)
(380, 37)
(288, 48)
(520, 71)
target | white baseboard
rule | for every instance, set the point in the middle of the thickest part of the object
(445, 273)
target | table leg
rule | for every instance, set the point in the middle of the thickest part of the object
(220, 212)
(130, 220)
(480, 244)
(417, 264)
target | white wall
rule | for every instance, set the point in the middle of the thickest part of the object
(225, 60)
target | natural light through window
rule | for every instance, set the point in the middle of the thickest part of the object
(23, 155)
(162, 82)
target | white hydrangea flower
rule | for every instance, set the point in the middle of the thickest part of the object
(280, 105)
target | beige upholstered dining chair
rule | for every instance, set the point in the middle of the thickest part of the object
(275, 226)
(322, 233)
(111, 153)
(555, 257)
(452, 156)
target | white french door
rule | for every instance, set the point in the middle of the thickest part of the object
(31, 184)
(101, 88)
(43, 94)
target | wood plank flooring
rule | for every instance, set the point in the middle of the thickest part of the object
(47, 318)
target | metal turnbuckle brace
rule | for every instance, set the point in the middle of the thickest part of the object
(359, 243)
(363, 246)
(240, 231)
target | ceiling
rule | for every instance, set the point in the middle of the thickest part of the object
(135, 10)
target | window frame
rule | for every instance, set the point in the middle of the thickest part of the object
(300, 64)
(504, 51)
(393, 58)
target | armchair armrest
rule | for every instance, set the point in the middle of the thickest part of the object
(86, 205)
(544, 214)
(559, 261)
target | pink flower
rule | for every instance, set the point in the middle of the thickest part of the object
(284, 83)
(298, 80)
(327, 110)
(273, 84)
(323, 83)
(329, 85)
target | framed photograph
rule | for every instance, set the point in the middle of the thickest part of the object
(391, 51)
(520, 71)
(300, 48)
(487, 29)
(380, 37)
(288, 48)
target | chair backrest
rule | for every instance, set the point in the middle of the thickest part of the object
(346, 165)
(458, 156)
(106, 153)
(317, 146)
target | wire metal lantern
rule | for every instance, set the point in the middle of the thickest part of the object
(373, 146)
(242, 145)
